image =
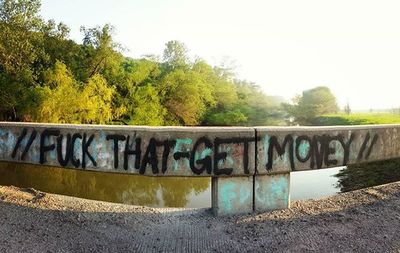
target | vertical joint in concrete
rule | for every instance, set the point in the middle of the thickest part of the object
(255, 166)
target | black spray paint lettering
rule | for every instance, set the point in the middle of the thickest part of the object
(65, 147)
(299, 141)
(116, 138)
(168, 144)
(179, 154)
(318, 153)
(63, 161)
(218, 156)
(27, 146)
(74, 161)
(85, 150)
(281, 149)
(137, 152)
(198, 166)
(70, 148)
(364, 147)
(206, 162)
(18, 144)
(150, 155)
(44, 148)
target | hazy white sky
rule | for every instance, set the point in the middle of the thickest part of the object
(285, 46)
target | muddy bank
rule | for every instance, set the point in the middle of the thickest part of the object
(362, 221)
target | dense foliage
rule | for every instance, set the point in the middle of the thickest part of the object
(311, 104)
(359, 176)
(46, 77)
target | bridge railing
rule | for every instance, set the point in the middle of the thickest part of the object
(250, 166)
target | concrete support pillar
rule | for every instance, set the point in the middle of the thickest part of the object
(232, 195)
(271, 192)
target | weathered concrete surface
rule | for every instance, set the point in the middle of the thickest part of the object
(203, 151)
(362, 221)
(196, 151)
(154, 151)
(232, 195)
(305, 148)
(271, 192)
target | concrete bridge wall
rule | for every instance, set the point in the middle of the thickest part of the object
(250, 166)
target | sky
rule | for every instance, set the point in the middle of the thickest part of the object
(285, 46)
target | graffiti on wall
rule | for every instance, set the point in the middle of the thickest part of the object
(318, 151)
(193, 154)
(202, 155)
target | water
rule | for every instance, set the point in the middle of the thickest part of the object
(314, 184)
(119, 188)
(185, 192)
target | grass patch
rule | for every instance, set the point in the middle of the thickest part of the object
(357, 119)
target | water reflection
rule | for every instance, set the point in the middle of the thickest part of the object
(313, 184)
(129, 189)
(186, 192)
(360, 176)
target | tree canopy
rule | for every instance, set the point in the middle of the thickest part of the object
(311, 104)
(46, 77)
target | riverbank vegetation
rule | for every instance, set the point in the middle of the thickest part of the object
(46, 77)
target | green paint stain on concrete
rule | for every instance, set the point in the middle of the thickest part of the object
(227, 195)
(339, 151)
(204, 153)
(304, 148)
(244, 194)
(182, 145)
(273, 192)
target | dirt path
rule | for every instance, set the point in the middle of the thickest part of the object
(362, 221)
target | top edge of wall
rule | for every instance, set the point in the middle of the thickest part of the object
(200, 128)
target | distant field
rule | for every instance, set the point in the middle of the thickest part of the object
(357, 119)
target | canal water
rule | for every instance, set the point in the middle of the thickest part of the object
(185, 192)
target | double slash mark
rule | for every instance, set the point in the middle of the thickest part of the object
(364, 147)
(27, 146)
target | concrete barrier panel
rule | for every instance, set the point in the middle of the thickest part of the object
(153, 151)
(232, 195)
(250, 167)
(271, 192)
(281, 150)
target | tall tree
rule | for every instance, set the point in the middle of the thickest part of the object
(20, 24)
(21, 48)
(146, 108)
(186, 96)
(175, 55)
(102, 54)
(66, 101)
(347, 108)
(312, 103)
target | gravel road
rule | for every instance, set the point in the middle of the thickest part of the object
(366, 220)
